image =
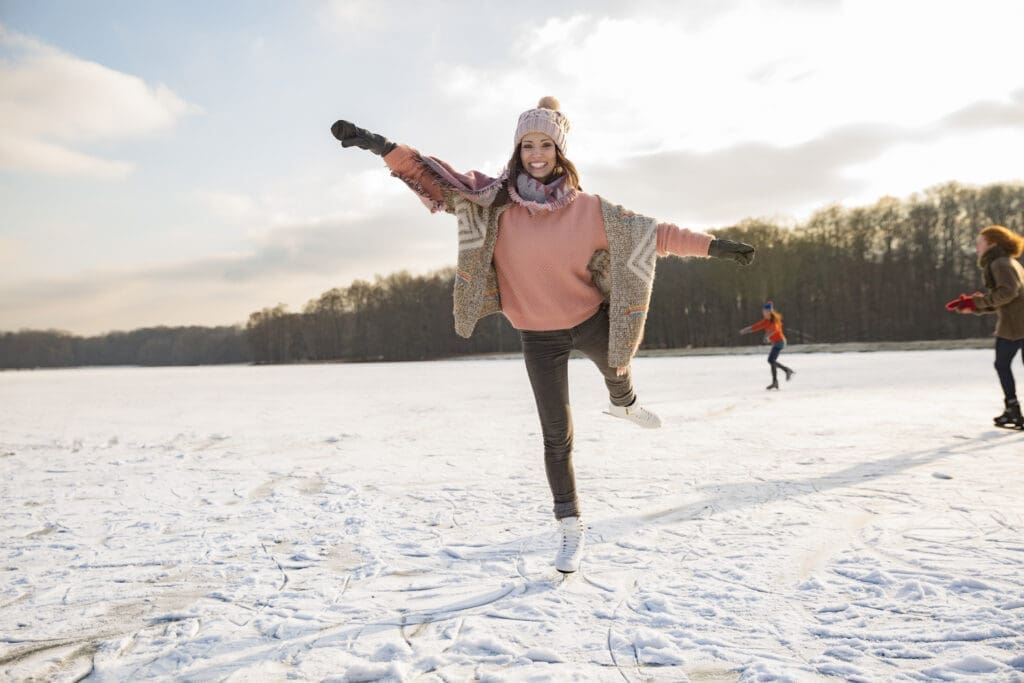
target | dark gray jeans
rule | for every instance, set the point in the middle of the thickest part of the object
(547, 363)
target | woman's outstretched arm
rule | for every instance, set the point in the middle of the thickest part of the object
(405, 163)
(759, 325)
(683, 242)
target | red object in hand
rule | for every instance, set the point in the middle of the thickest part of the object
(964, 302)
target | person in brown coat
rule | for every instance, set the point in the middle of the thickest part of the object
(998, 251)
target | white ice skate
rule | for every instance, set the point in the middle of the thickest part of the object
(571, 549)
(636, 414)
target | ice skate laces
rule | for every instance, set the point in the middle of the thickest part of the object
(571, 549)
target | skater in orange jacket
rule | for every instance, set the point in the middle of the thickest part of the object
(771, 323)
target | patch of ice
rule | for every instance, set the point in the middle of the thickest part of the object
(843, 652)
(915, 591)
(840, 607)
(969, 665)
(661, 656)
(542, 654)
(846, 672)
(390, 652)
(365, 672)
(968, 586)
(482, 645)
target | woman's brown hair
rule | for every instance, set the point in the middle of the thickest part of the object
(563, 167)
(1005, 239)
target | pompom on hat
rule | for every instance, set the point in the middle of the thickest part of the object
(547, 119)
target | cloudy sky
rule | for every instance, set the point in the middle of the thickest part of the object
(171, 162)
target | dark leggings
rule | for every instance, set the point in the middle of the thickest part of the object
(773, 360)
(1006, 349)
(547, 363)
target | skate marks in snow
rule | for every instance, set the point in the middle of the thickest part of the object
(118, 582)
(843, 565)
(636, 652)
(812, 539)
(55, 660)
(426, 628)
(509, 625)
(759, 492)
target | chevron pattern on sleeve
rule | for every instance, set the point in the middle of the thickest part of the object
(472, 224)
(643, 257)
(475, 293)
(632, 242)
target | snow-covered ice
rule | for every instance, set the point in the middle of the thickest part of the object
(392, 522)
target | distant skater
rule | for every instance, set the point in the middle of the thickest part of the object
(771, 323)
(998, 250)
(569, 270)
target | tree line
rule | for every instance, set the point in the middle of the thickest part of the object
(150, 346)
(874, 273)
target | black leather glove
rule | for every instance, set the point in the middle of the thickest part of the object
(351, 135)
(739, 252)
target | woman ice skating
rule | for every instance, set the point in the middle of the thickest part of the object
(771, 323)
(998, 251)
(568, 269)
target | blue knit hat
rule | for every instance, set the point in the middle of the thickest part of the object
(768, 306)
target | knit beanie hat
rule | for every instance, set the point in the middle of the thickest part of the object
(768, 306)
(547, 119)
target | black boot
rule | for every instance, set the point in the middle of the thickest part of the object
(1011, 417)
(773, 385)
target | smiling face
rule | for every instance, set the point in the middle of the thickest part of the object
(537, 155)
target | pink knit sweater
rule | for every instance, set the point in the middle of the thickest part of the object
(541, 258)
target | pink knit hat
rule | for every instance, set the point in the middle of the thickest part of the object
(547, 119)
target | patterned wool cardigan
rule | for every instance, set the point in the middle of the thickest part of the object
(624, 273)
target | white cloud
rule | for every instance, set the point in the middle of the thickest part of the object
(233, 207)
(12, 257)
(34, 155)
(280, 262)
(747, 109)
(772, 72)
(51, 103)
(354, 16)
(320, 196)
(905, 169)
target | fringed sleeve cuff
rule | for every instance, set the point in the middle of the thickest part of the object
(407, 165)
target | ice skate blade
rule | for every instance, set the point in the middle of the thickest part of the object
(638, 424)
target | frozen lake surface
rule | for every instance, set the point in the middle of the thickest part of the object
(392, 522)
